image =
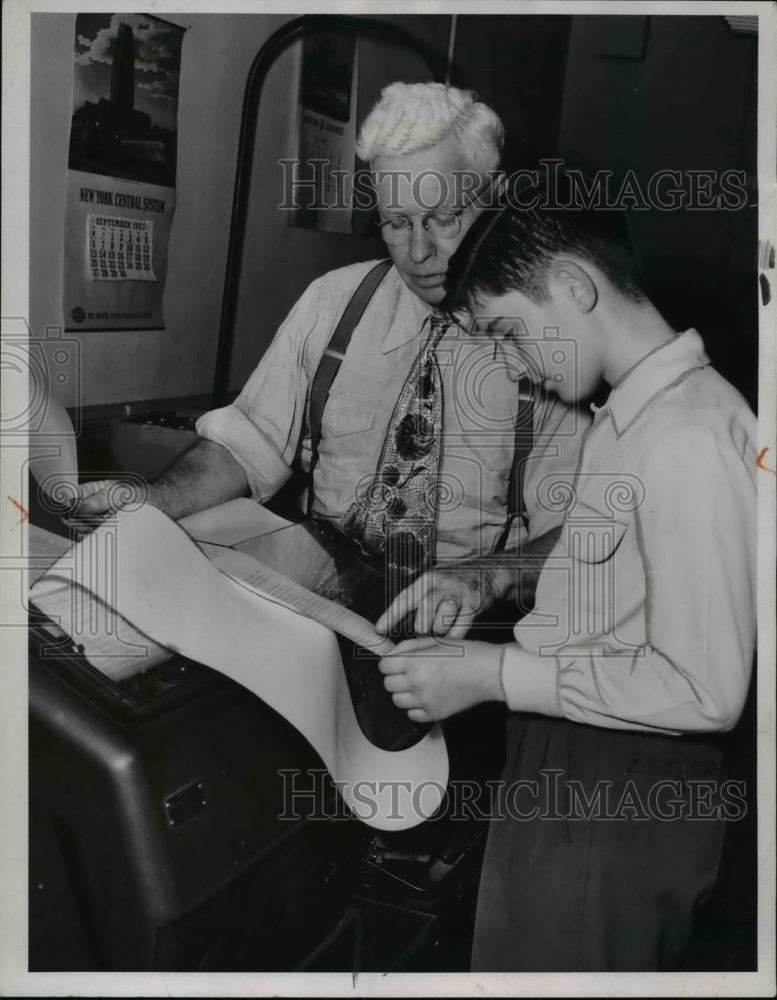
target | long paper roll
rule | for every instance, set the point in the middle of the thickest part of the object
(147, 569)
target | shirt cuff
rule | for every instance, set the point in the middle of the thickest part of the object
(529, 682)
(251, 448)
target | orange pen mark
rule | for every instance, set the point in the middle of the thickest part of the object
(760, 464)
(19, 507)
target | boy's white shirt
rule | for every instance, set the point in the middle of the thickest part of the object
(644, 616)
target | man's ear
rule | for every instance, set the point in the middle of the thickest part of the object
(576, 282)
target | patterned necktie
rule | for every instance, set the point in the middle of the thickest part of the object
(396, 514)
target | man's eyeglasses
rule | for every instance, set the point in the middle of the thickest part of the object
(396, 230)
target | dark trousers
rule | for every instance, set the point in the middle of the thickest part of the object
(601, 846)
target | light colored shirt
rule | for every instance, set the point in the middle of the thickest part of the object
(262, 427)
(645, 610)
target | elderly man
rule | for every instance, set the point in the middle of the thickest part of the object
(417, 433)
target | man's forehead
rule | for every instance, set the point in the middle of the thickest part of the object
(423, 190)
(423, 181)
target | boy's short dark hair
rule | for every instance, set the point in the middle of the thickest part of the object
(511, 248)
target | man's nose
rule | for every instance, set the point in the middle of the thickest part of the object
(421, 244)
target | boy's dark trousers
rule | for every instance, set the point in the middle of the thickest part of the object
(565, 888)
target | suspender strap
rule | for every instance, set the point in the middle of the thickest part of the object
(524, 442)
(333, 356)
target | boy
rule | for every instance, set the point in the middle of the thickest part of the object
(643, 630)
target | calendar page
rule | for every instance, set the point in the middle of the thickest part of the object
(120, 249)
(121, 170)
(116, 241)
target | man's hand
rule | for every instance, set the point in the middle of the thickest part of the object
(433, 680)
(446, 602)
(105, 496)
(95, 501)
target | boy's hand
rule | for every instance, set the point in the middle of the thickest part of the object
(432, 680)
(445, 602)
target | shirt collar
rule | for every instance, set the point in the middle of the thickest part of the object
(407, 315)
(657, 371)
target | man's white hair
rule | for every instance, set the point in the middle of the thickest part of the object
(412, 117)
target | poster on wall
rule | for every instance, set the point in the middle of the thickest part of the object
(327, 133)
(121, 171)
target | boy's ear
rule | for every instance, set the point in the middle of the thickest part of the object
(577, 283)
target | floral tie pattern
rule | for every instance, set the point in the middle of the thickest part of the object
(397, 513)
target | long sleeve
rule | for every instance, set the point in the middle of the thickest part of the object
(676, 650)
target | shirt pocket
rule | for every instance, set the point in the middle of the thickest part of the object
(489, 449)
(348, 416)
(592, 538)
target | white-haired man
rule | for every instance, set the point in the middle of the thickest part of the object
(429, 147)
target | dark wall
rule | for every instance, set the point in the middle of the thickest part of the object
(689, 103)
(516, 64)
